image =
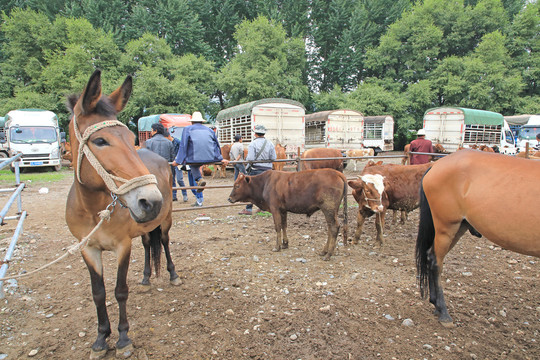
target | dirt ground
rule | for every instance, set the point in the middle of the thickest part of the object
(239, 300)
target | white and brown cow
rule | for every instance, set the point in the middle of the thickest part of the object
(303, 192)
(390, 186)
(358, 153)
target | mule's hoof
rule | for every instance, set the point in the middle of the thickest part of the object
(276, 249)
(177, 281)
(447, 323)
(98, 354)
(285, 246)
(124, 352)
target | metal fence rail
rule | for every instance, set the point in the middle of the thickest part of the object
(21, 215)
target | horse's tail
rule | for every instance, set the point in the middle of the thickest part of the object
(424, 241)
(155, 248)
(345, 212)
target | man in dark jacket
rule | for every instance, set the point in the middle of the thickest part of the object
(159, 143)
(199, 145)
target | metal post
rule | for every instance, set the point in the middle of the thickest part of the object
(9, 253)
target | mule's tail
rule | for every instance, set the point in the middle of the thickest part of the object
(424, 241)
(345, 213)
(155, 248)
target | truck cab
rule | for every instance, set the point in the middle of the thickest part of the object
(528, 132)
(35, 134)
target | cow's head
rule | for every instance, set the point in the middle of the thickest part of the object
(241, 189)
(370, 187)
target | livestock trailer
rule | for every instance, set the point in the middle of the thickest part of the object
(455, 127)
(175, 123)
(339, 129)
(283, 119)
(379, 132)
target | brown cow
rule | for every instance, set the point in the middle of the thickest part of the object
(225, 149)
(280, 155)
(384, 187)
(322, 164)
(358, 153)
(302, 192)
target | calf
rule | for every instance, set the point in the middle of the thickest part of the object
(318, 153)
(281, 155)
(358, 153)
(302, 192)
(384, 187)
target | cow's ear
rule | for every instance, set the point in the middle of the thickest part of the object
(356, 184)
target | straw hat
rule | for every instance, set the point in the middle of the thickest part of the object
(197, 117)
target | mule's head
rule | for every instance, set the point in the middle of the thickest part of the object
(113, 149)
(241, 189)
(370, 191)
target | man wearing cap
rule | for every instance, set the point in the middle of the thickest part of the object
(237, 154)
(259, 149)
(199, 145)
(421, 144)
(159, 143)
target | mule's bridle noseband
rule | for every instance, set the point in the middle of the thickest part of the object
(108, 178)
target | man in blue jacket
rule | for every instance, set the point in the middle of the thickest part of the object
(199, 146)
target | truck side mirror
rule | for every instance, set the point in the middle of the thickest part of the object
(63, 136)
(3, 138)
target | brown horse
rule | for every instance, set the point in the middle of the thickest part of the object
(134, 187)
(473, 190)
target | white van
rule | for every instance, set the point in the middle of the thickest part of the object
(35, 134)
(455, 127)
(527, 133)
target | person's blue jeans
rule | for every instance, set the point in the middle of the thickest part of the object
(239, 168)
(178, 176)
(198, 195)
(195, 171)
(252, 173)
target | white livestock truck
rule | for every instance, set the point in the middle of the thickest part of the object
(455, 127)
(338, 129)
(283, 119)
(379, 133)
(35, 134)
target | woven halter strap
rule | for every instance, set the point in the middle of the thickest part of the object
(108, 178)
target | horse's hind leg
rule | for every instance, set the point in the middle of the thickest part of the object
(442, 245)
(92, 258)
(124, 347)
(174, 278)
(147, 267)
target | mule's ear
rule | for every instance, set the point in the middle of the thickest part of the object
(120, 96)
(248, 179)
(71, 102)
(92, 93)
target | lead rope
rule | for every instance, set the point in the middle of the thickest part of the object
(107, 177)
(103, 215)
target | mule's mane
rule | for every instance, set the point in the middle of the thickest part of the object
(103, 107)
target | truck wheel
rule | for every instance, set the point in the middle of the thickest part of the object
(57, 167)
(3, 155)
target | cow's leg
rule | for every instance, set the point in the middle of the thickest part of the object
(285, 244)
(394, 217)
(379, 224)
(93, 260)
(277, 225)
(174, 278)
(403, 216)
(333, 228)
(124, 347)
(147, 268)
(359, 225)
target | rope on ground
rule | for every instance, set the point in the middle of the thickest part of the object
(104, 215)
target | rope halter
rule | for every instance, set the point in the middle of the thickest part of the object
(108, 178)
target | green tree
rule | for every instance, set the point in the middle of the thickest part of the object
(268, 64)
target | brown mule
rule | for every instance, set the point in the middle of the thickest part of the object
(110, 174)
(488, 194)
